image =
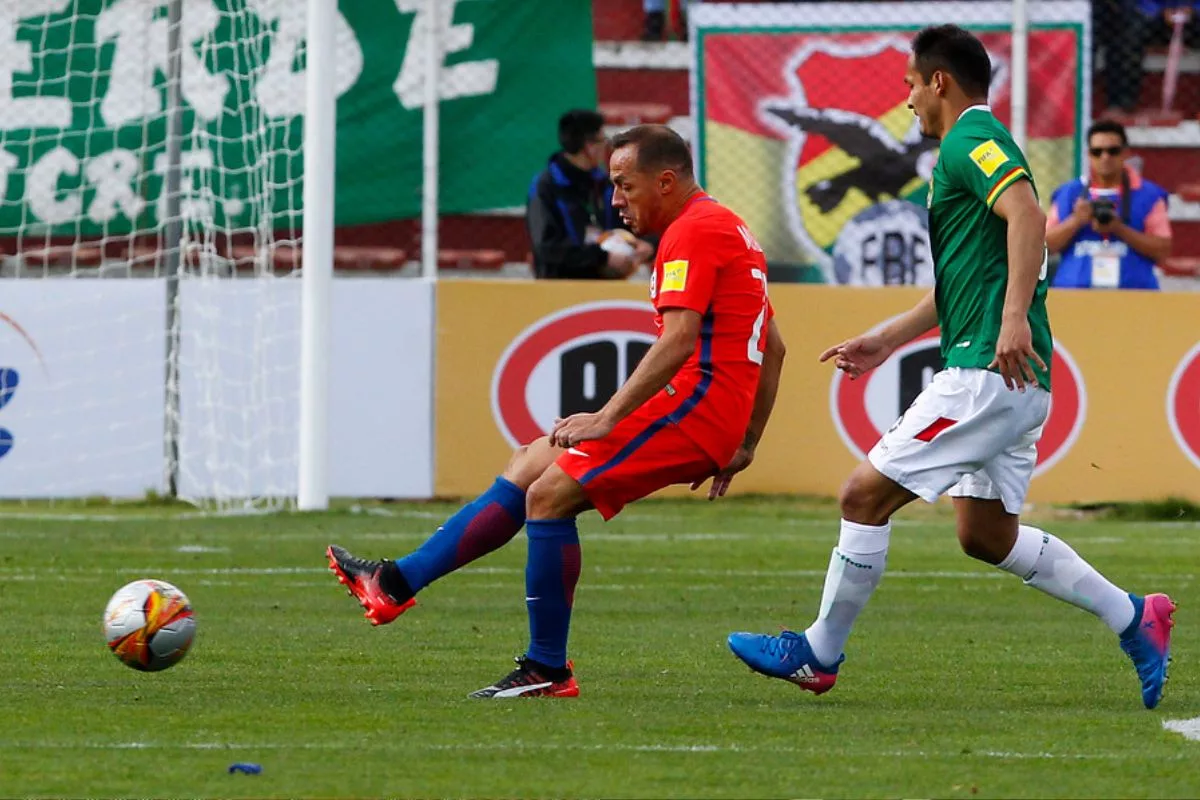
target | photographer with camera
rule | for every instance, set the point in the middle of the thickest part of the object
(1113, 228)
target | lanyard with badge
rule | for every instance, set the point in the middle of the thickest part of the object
(1106, 259)
(593, 206)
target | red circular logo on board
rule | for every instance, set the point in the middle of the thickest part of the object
(568, 362)
(1183, 405)
(863, 409)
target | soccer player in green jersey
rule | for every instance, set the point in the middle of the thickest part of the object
(973, 431)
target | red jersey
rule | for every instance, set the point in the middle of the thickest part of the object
(709, 262)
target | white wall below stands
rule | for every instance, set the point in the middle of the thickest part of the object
(86, 417)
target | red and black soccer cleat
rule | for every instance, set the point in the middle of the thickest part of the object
(531, 679)
(361, 577)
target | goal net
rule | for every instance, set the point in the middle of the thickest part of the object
(149, 231)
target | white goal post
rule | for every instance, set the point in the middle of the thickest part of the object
(317, 276)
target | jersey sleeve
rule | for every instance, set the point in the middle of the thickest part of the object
(1158, 222)
(1052, 217)
(986, 166)
(690, 255)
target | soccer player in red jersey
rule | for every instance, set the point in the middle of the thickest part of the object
(694, 408)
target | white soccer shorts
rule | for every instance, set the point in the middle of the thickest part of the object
(966, 433)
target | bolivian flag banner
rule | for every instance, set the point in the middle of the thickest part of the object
(803, 128)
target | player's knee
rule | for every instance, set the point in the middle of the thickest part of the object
(517, 470)
(859, 503)
(529, 462)
(537, 499)
(543, 499)
(980, 547)
(980, 550)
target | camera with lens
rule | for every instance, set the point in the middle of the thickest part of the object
(1104, 210)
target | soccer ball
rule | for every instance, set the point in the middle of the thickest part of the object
(148, 624)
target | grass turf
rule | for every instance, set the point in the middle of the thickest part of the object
(958, 681)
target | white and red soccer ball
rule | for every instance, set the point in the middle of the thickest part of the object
(149, 625)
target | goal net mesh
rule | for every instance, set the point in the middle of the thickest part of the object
(123, 379)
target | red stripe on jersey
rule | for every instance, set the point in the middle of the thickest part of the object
(937, 426)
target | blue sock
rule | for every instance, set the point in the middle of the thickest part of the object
(488, 522)
(551, 573)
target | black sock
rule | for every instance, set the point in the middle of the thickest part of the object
(555, 674)
(392, 581)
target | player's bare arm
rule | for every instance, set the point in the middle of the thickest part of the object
(681, 329)
(863, 353)
(764, 402)
(1018, 207)
(768, 387)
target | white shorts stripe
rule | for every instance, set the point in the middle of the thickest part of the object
(968, 434)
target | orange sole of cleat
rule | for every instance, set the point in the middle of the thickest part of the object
(570, 690)
(376, 618)
(373, 615)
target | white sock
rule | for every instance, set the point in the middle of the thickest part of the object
(855, 569)
(1048, 563)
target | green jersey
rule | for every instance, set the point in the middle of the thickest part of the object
(977, 162)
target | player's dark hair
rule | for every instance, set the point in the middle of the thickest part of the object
(576, 127)
(954, 50)
(1107, 126)
(658, 148)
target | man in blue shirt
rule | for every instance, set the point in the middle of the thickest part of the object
(574, 230)
(1113, 228)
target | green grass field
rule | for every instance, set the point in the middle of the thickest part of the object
(959, 681)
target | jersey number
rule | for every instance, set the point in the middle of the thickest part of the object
(752, 349)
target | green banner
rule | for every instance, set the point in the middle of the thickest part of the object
(82, 128)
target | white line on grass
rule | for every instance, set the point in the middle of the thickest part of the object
(168, 515)
(1188, 728)
(37, 516)
(698, 748)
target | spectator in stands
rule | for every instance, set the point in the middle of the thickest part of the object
(574, 230)
(1113, 229)
(1123, 29)
(656, 20)
(657, 13)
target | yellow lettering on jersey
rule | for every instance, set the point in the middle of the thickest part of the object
(988, 157)
(674, 276)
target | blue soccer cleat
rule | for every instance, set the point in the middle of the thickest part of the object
(1147, 642)
(787, 656)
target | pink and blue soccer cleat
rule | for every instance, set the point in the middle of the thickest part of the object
(787, 656)
(1147, 642)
